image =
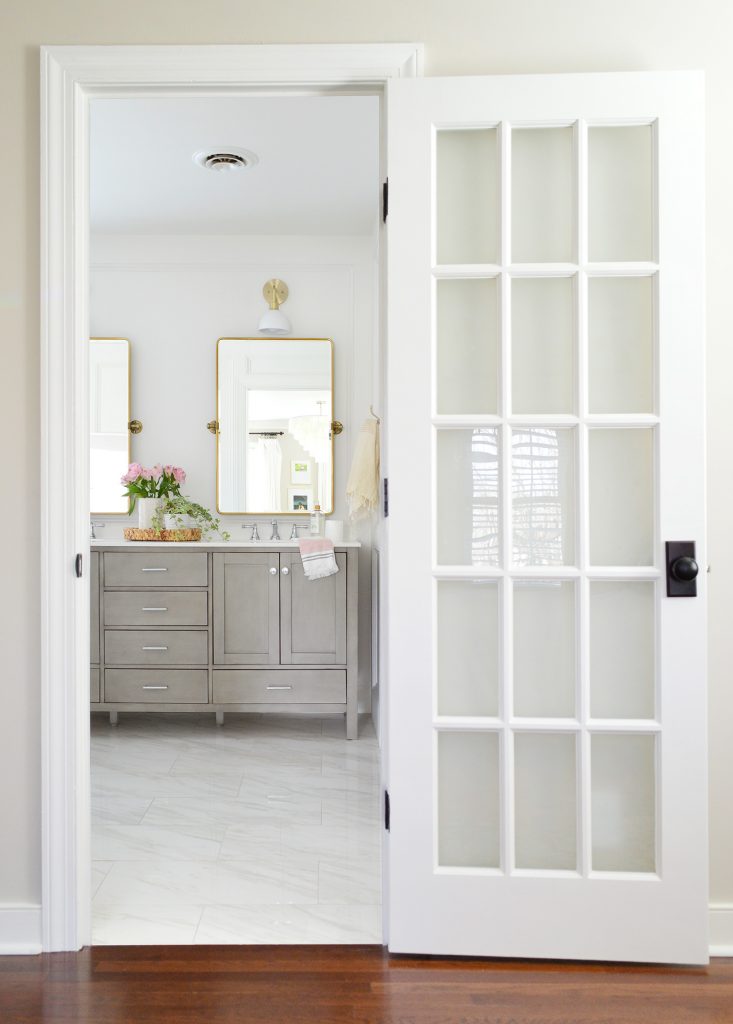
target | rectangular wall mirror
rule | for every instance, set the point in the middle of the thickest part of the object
(109, 416)
(274, 409)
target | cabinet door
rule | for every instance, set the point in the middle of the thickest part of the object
(313, 614)
(94, 608)
(246, 609)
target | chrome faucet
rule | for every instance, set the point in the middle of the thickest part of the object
(275, 534)
(294, 531)
(92, 534)
(253, 527)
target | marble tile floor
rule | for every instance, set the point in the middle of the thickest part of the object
(267, 830)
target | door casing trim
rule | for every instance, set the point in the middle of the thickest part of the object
(70, 77)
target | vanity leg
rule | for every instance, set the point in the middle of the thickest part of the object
(113, 717)
(352, 723)
(220, 718)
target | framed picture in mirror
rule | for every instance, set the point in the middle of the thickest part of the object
(300, 499)
(300, 471)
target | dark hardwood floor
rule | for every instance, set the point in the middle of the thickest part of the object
(348, 985)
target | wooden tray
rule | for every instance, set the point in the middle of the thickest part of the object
(184, 534)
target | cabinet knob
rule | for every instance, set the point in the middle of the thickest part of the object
(285, 570)
(273, 571)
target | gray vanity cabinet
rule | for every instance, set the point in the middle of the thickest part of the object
(238, 630)
(312, 614)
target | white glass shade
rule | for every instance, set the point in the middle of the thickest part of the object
(274, 324)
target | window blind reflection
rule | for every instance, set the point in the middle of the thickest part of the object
(543, 487)
(468, 496)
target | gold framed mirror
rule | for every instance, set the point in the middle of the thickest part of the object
(109, 424)
(274, 415)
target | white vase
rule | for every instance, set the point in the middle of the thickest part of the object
(146, 508)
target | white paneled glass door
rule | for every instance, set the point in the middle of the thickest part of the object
(546, 702)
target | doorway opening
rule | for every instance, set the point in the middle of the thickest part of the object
(209, 823)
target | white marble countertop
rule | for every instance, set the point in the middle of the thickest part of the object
(262, 545)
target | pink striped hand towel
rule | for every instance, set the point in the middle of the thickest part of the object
(318, 557)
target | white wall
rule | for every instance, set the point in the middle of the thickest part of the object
(461, 37)
(173, 296)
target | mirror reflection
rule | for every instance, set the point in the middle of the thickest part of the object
(109, 415)
(274, 413)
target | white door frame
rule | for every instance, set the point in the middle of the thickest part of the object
(70, 77)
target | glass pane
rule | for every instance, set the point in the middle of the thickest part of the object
(467, 196)
(622, 650)
(468, 799)
(543, 496)
(620, 344)
(542, 345)
(620, 191)
(542, 195)
(622, 802)
(468, 648)
(468, 496)
(621, 477)
(544, 648)
(545, 799)
(468, 346)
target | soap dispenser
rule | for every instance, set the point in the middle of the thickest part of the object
(316, 522)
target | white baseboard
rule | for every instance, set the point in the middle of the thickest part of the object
(20, 928)
(721, 929)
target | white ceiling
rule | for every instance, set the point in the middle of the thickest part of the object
(317, 171)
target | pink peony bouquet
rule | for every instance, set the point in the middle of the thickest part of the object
(157, 482)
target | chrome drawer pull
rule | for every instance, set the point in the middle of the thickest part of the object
(279, 687)
(155, 609)
(155, 648)
(155, 687)
(145, 569)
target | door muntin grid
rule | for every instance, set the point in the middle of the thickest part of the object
(547, 528)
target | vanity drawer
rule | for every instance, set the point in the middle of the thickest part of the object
(137, 608)
(156, 686)
(156, 647)
(253, 686)
(157, 569)
(94, 686)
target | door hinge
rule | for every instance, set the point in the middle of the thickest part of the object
(386, 810)
(78, 566)
(385, 200)
(385, 493)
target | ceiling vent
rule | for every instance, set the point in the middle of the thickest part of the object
(225, 159)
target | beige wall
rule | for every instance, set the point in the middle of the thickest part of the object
(461, 37)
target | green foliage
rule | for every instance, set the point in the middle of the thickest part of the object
(185, 514)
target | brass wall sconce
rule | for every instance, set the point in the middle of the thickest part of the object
(274, 323)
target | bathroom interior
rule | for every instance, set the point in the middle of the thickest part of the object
(234, 323)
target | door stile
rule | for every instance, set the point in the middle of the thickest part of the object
(507, 851)
(506, 702)
(584, 822)
(505, 197)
